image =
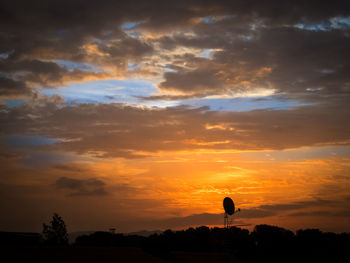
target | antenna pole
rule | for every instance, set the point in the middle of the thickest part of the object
(226, 223)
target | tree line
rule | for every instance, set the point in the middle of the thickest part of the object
(264, 244)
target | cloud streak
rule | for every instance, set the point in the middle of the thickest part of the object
(81, 187)
(125, 131)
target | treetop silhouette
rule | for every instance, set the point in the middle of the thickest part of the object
(56, 232)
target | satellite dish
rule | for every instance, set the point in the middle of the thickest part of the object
(229, 206)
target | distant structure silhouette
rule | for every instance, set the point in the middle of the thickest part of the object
(229, 208)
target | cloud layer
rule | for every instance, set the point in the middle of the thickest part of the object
(124, 131)
(169, 148)
(294, 47)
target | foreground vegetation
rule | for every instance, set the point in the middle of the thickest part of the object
(264, 244)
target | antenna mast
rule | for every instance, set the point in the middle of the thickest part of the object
(226, 221)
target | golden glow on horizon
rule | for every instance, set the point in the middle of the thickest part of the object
(172, 184)
(194, 183)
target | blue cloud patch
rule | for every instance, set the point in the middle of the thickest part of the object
(104, 91)
(331, 24)
(244, 104)
(25, 140)
(71, 65)
(130, 25)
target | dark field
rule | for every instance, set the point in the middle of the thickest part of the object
(77, 254)
(105, 254)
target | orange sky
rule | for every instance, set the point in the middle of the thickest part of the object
(125, 115)
(161, 191)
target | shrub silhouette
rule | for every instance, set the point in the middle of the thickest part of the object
(55, 233)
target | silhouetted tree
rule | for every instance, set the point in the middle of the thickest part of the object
(55, 233)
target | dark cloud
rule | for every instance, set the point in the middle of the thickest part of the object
(254, 213)
(327, 213)
(39, 73)
(327, 208)
(81, 187)
(298, 205)
(8, 156)
(196, 81)
(311, 64)
(313, 213)
(66, 12)
(129, 131)
(318, 207)
(13, 88)
(34, 35)
(70, 168)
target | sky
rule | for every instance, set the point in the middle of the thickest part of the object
(144, 115)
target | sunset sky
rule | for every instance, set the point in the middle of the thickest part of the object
(146, 114)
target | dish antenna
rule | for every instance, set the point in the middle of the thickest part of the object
(229, 207)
